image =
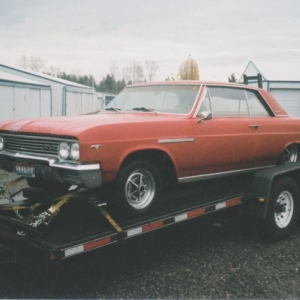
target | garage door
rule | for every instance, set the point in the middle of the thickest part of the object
(289, 100)
(73, 103)
(27, 103)
(78, 103)
(21, 102)
(6, 103)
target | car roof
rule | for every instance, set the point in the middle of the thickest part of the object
(193, 82)
(271, 102)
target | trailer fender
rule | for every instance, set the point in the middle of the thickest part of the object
(258, 202)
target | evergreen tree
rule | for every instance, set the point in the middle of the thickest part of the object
(110, 85)
(232, 78)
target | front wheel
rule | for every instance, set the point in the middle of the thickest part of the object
(283, 211)
(138, 186)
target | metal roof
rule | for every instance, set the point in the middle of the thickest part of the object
(47, 77)
(275, 70)
(6, 77)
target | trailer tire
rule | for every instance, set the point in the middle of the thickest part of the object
(283, 209)
(138, 185)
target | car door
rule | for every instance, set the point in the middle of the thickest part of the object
(226, 142)
(274, 134)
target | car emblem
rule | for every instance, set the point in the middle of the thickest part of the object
(48, 147)
(14, 128)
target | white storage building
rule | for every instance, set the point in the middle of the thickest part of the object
(23, 98)
(277, 78)
(105, 98)
(67, 98)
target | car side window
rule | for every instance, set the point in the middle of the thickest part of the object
(205, 105)
(256, 107)
(228, 102)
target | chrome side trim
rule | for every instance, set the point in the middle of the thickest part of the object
(218, 175)
(53, 162)
(96, 147)
(180, 140)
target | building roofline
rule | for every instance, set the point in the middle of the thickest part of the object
(245, 70)
(251, 62)
(24, 84)
(274, 71)
(47, 77)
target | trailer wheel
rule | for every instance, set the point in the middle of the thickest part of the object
(138, 186)
(283, 211)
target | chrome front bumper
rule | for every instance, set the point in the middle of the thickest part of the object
(50, 168)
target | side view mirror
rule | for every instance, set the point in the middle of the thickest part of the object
(204, 115)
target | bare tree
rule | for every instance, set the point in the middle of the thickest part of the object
(23, 62)
(127, 74)
(137, 71)
(189, 70)
(114, 70)
(151, 69)
(54, 71)
(34, 63)
(76, 72)
(133, 72)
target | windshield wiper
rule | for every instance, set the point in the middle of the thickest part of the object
(113, 109)
(145, 109)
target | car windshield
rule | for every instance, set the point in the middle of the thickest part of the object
(177, 99)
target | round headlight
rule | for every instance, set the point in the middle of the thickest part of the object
(1, 143)
(64, 150)
(74, 153)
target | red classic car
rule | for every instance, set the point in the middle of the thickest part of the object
(152, 135)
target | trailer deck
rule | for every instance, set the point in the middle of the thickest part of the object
(79, 227)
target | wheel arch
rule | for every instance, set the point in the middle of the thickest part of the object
(292, 143)
(157, 157)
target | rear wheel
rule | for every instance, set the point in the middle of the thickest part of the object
(138, 186)
(290, 154)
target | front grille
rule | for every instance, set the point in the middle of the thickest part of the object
(31, 144)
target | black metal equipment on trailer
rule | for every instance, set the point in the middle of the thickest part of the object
(67, 225)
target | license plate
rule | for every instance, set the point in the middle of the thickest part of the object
(25, 169)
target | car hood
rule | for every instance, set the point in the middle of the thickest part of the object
(76, 125)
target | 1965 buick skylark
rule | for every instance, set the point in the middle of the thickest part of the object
(151, 135)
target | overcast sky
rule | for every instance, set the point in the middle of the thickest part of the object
(87, 36)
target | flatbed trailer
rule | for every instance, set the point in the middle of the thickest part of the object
(80, 221)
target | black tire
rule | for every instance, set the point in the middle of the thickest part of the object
(289, 155)
(283, 209)
(138, 186)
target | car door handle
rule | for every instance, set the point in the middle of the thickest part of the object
(255, 126)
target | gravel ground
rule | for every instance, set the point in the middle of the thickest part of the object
(197, 259)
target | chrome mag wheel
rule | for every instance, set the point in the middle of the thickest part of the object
(290, 154)
(140, 188)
